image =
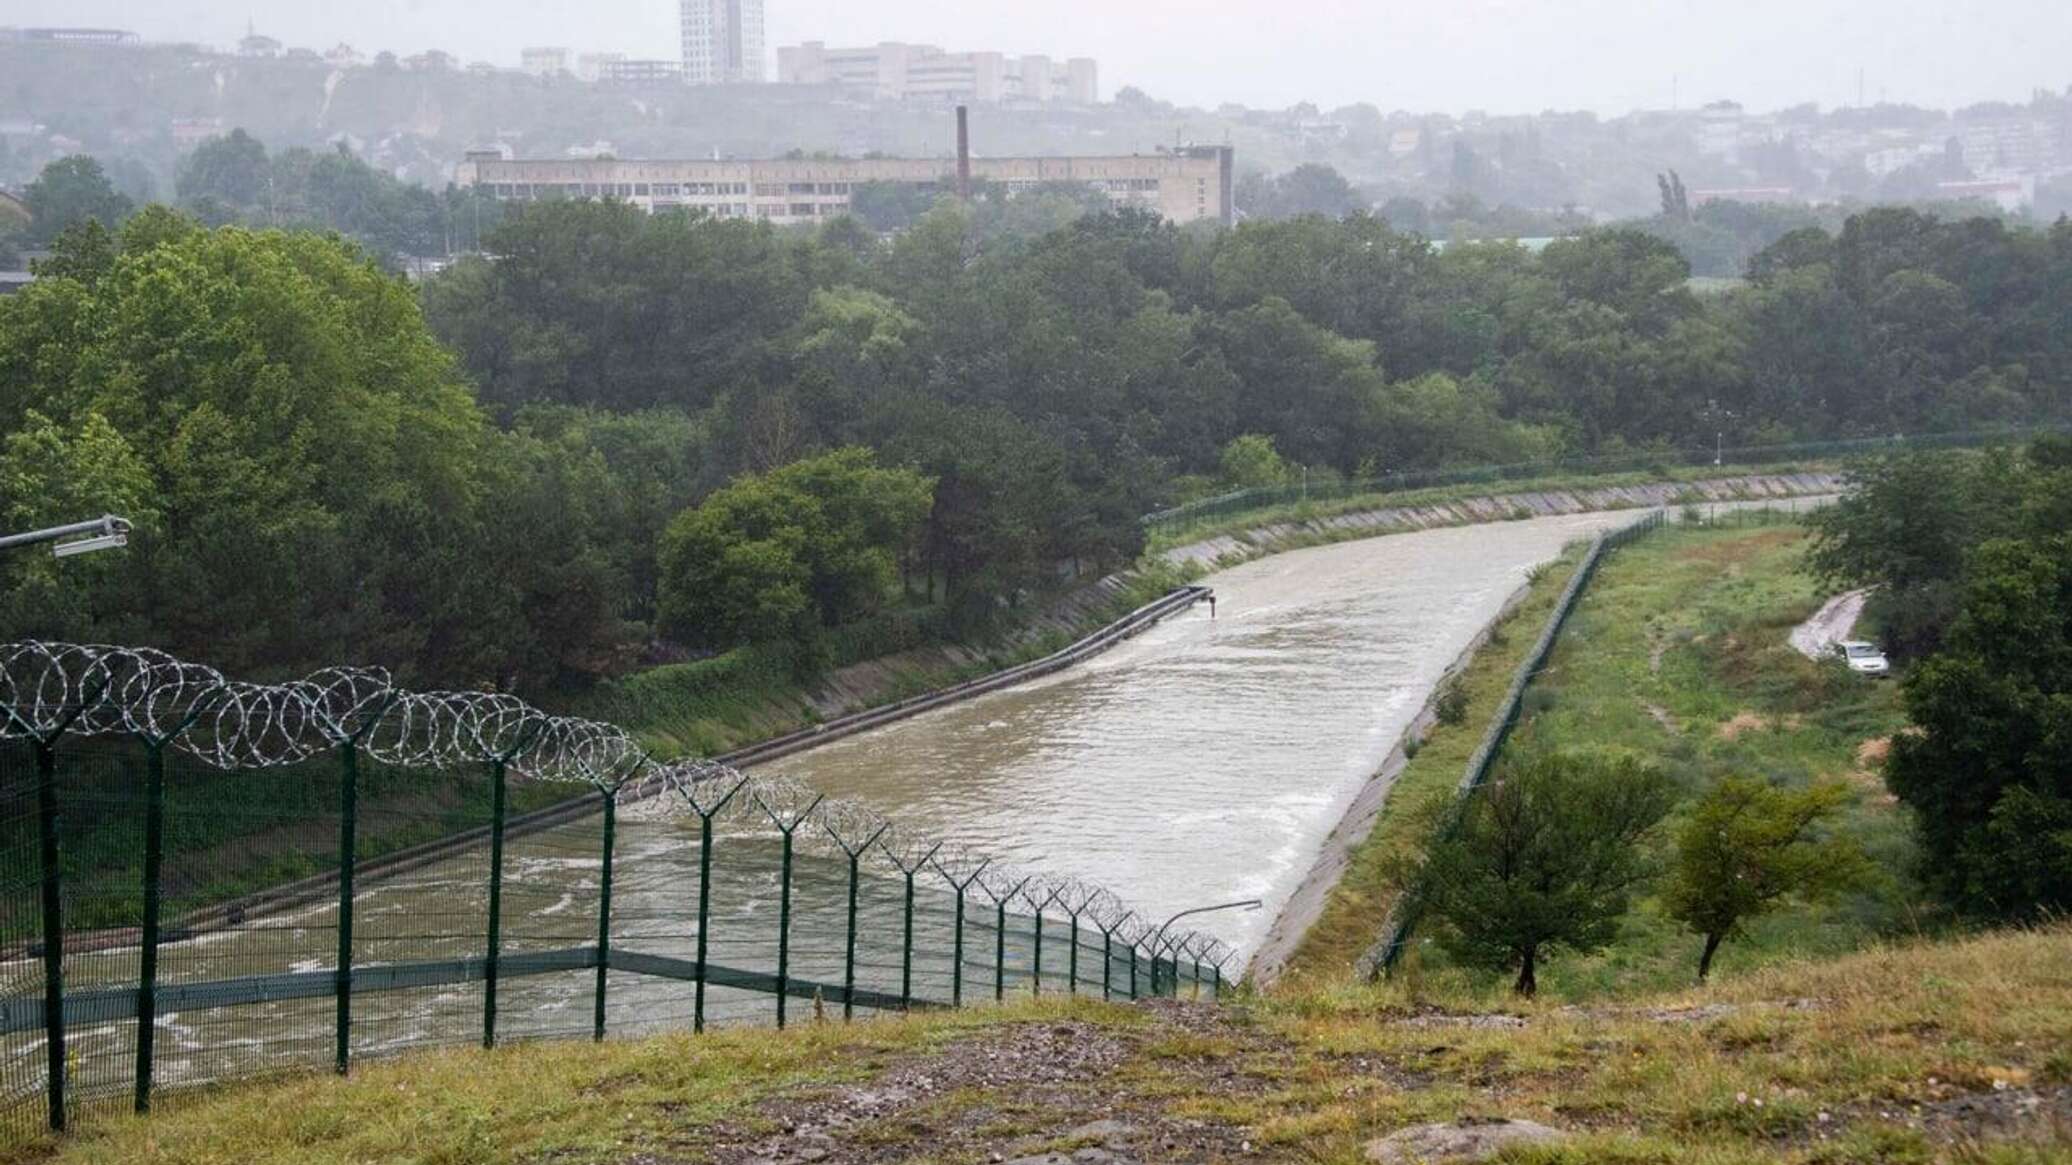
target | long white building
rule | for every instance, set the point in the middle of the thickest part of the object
(899, 72)
(723, 41)
(1185, 185)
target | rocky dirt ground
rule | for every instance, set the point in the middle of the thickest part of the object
(1072, 1092)
(1036, 1093)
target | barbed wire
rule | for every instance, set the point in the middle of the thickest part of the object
(51, 689)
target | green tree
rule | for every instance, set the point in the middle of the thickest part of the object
(778, 556)
(1299, 383)
(1906, 526)
(70, 190)
(50, 476)
(1311, 188)
(887, 207)
(314, 465)
(1545, 857)
(1747, 846)
(1989, 773)
(1250, 461)
(232, 170)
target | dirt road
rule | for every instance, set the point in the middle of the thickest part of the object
(1830, 625)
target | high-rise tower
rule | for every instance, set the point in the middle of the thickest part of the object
(722, 41)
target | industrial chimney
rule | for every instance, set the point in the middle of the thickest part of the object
(963, 153)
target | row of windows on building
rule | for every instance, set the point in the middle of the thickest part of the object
(762, 189)
(617, 189)
(1126, 186)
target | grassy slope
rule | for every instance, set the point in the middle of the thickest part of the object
(1920, 1053)
(747, 695)
(1678, 654)
(1181, 533)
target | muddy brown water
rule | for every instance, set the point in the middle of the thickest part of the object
(1201, 762)
(1204, 761)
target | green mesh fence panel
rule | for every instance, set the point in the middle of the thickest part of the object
(227, 805)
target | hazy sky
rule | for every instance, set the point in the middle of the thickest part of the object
(1424, 55)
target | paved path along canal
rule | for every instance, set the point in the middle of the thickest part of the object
(1206, 760)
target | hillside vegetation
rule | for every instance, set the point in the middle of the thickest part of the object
(1677, 655)
(603, 385)
(1918, 1053)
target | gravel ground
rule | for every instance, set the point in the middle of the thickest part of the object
(1069, 1092)
(1028, 1093)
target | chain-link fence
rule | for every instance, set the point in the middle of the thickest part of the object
(204, 880)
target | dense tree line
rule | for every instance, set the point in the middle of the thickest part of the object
(1130, 352)
(233, 180)
(319, 477)
(310, 477)
(1973, 570)
(1549, 853)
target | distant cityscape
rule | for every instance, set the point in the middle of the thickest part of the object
(722, 93)
(722, 42)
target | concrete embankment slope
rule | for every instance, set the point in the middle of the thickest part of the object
(861, 686)
(1229, 549)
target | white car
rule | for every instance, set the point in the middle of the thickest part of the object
(1865, 659)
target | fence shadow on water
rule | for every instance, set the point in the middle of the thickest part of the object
(270, 878)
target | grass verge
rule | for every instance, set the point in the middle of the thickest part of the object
(1677, 654)
(1917, 1053)
(1183, 533)
(750, 694)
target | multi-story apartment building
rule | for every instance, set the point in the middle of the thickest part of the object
(543, 61)
(897, 71)
(1187, 185)
(2018, 144)
(722, 41)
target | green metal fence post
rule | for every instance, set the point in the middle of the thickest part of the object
(496, 900)
(906, 949)
(1036, 966)
(704, 917)
(147, 959)
(1133, 970)
(855, 853)
(1072, 961)
(53, 930)
(957, 954)
(1000, 939)
(786, 825)
(154, 863)
(957, 930)
(348, 823)
(783, 932)
(849, 947)
(604, 909)
(1000, 952)
(1107, 963)
(348, 857)
(705, 901)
